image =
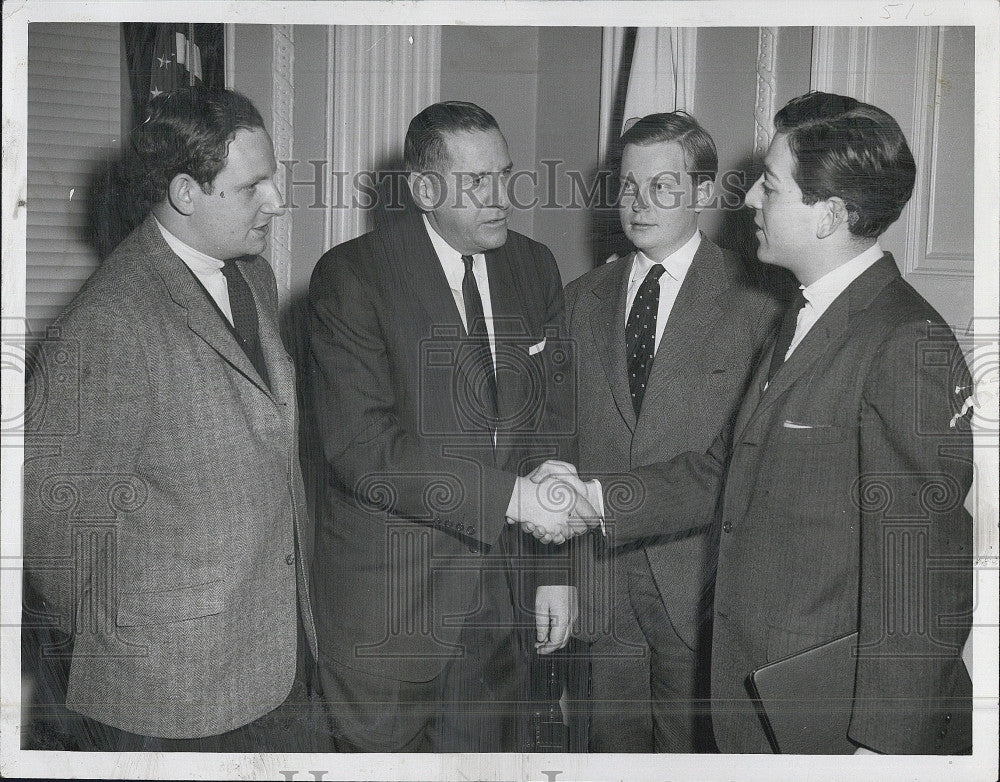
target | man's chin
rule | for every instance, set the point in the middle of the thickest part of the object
(492, 237)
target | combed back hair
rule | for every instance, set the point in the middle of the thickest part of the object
(700, 155)
(188, 131)
(424, 148)
(852, 150)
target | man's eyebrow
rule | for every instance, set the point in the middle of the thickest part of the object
(504, 170)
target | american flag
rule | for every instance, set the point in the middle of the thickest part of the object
(176, 59)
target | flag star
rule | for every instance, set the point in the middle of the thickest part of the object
(155, 91)
(164, 62)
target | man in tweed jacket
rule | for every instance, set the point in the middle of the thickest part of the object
(163, 497)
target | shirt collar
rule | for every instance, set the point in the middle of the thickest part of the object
(450, 258)
(196, 260)
(833, 283)
(676, 264)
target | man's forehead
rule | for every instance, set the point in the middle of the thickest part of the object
(481, 147)
(778, 157)
(659, 158)
(250, 148)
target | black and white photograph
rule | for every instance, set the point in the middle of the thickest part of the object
(560, 391)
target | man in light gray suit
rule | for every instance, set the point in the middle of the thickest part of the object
(666, 338)
(163, 501)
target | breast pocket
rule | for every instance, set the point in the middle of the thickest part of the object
(806, 474)
(793, 433)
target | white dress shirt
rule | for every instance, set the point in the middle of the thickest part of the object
(675, 267)
(822, 293)
(207, 269)
(454, 272)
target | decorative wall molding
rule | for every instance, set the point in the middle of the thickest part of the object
(282, 107)
(378, 77)
(922, 257)
(932, 241)
(763, 112)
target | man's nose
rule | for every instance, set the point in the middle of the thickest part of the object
(274, 204)
(501, 198)
(752, 198)
(638, 202)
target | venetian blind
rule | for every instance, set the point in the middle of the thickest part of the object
(74, 126)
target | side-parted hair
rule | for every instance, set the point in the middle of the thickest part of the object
(424, 148)
(188, 131)
(851, 150)
(700, 155)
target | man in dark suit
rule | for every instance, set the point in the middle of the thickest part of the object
(645, 403)
(164, 504)
(843, 478)
(439, 375)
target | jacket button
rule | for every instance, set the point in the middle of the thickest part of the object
(290, 559)
(474, 549)
(947, 718)
(727, 526)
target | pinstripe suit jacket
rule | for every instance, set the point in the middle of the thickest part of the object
(416, 496)
(164, 500)
(842, 486)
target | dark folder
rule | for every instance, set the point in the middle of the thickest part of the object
(804, 701)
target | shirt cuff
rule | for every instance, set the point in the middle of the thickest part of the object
(596, 497)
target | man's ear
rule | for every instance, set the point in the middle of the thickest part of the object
(182, 193)
(832, 217)
(426, 188)
(703, 194)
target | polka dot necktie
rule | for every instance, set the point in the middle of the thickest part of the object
(244, 311)
(640, 334)
(485, 393)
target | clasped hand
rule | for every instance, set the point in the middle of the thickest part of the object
(553, 503)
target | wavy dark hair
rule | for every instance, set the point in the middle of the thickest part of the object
(851, 150)
(424, 148)
(188, 131)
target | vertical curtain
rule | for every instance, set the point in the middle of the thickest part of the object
(661, 76)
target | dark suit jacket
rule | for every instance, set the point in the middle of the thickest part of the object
(163, 499)
(842, 510)
(416, 496)
(709, 348)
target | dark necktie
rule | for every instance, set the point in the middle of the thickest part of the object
(481, 364)
(786, 333)
(244, 311)
(640, 334)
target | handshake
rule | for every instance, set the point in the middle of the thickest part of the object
(554, 504)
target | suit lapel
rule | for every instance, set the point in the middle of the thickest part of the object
(279, 369)
(510, 328)
(202, 318)
(827, 332)
(403, 240)
(402, 245)
(698, 305)
(607, 323)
